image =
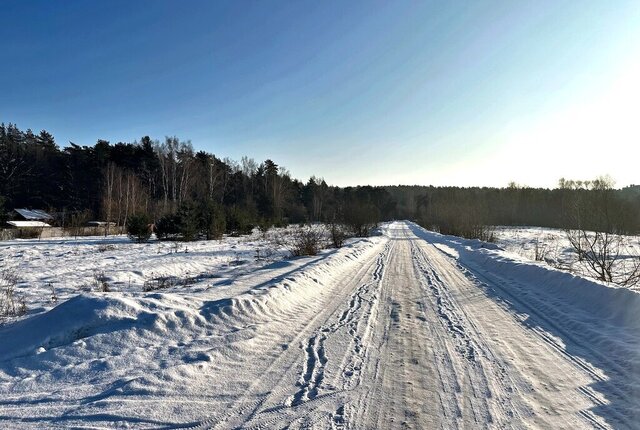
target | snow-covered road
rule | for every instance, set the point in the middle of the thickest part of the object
(413, 342)
(407, 330)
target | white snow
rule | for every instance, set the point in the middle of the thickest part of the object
(23, 224)
(410, 329)
(554, 249)
(68, 266)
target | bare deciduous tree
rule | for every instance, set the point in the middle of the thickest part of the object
(108, 197)
(596, 238)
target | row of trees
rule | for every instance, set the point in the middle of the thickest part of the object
(168, 181)
(165, 179)
(465, 211)
(599, 219)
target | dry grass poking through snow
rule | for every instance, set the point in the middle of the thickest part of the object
(53, 270)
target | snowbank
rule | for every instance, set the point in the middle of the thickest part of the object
(79, 317)
(91, 314)
(619, 306)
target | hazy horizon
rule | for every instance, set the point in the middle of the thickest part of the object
(357, 93)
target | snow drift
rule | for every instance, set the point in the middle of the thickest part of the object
(619, 306)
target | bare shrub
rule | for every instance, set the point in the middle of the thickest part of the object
(10, 303)
(607, 256)
(540, 250)
(54, 295)
(307, 243)
(176, 247)
(481, 232)
(100, 282)
(304, 240)
(338, 233)
(546, 248)
(163, 282)
(597, 216)
(264, 254)
(157, 284)
(22, 306)
(105, 248)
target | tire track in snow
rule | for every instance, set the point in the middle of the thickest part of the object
(252, 406)
(587, 415)
(544, 313)
(308, 406)
(399, 345)
(400, 378)
(313, 371)
(462, 378)
(498, 391)
(316, 359)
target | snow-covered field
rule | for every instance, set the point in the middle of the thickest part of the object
(554, 249)
(59, 268)
(409, 329)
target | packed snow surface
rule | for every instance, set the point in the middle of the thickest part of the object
(408, 329)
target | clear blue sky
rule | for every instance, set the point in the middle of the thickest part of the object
(447, 92)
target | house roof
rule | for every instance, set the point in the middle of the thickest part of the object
(33, 214)
(100, 223)
(21, 224)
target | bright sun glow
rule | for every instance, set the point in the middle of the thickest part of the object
(583, 140)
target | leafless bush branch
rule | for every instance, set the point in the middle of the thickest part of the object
(106, 247)
(100, 282)
(304, 240)
(10, 303)
(606, 255)
(540, 250)
(339, 233)
(163, 282)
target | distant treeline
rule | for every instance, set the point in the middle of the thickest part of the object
(592, 204)
(111, 182)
